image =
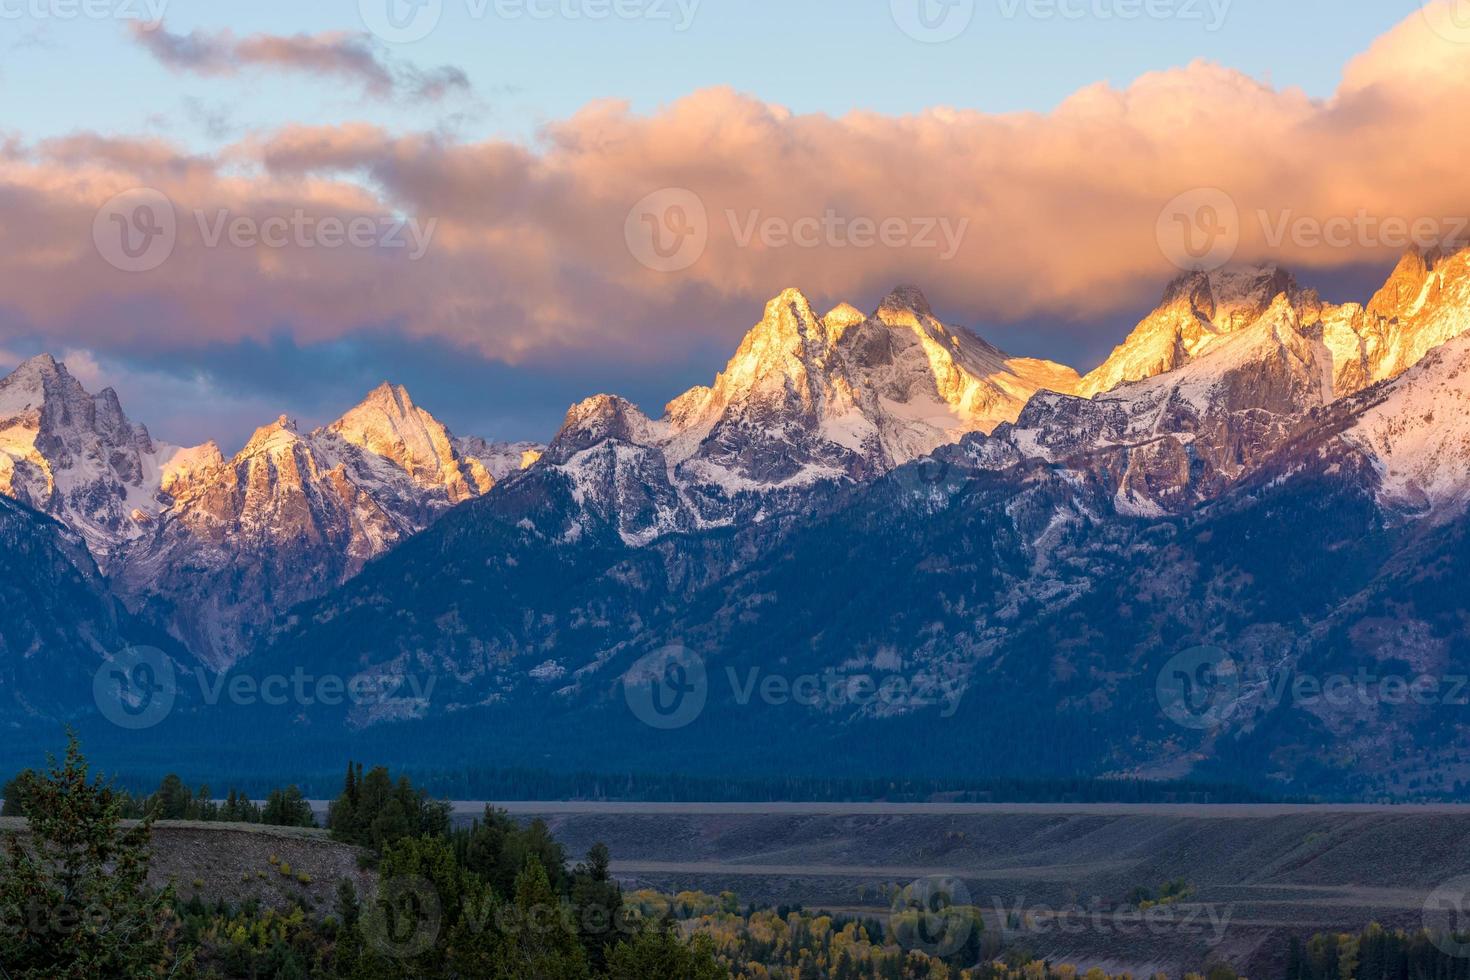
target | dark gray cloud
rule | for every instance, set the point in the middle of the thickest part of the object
(354, 57)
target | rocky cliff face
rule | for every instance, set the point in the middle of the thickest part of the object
(59, 620)
(1425, 302)
(807, 400)
(78, 458)
(1257, 471)
(1250, 498)
(294, 514)
(213, 548)
(1179, 438)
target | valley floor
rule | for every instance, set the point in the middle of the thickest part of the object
(1063, 881)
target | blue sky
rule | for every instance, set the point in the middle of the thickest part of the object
(830, 56)
(67, 75)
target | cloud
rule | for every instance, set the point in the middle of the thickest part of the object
(529, 260)
(337, 54)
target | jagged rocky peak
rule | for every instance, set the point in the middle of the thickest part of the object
(904, 304)
(1231, 297)
(598, 419)
(33, 369)
(1407, 283)
(188, 470)
(76, 456)
(1197, 310)
(389, 425)
(787, 339)
(272, 437)
(807, 399)
(843, 316)
(1425, 303)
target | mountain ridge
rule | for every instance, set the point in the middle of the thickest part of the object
(1230, 368)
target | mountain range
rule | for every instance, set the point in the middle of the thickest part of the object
(1252, 470)
(209, 548)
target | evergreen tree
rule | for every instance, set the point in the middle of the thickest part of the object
(598, 902)
(542, 943)
(13, 791)
(76, 892)
(287, 808)
(172, 799)
(659, 953)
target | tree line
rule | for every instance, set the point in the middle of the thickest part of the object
(172, 800)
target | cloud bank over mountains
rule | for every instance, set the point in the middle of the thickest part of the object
(529, 261)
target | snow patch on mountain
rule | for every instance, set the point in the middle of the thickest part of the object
(1425, 302)
(78, 458)
(809, 399)
(1417, 431)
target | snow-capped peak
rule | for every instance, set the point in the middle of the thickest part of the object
(77, 456)
(1417, 431)
(1425, 302)
(905, 302)
(389, 425)
(1197, 310)
(805, 399)
(599, 419)
(842, 316)
(269, 438)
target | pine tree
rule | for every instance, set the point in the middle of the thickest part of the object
(598, 902)
(78, 892)
(542, 943)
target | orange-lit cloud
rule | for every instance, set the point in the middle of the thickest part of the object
(529, 255)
